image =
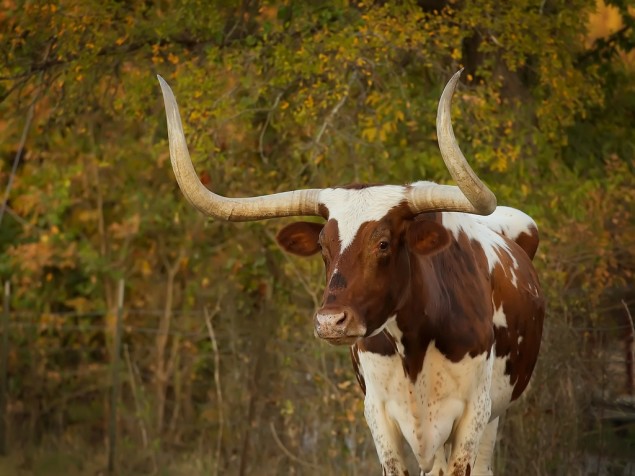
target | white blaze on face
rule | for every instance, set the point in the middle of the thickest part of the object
(351, 208)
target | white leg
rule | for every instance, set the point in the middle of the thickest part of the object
(467, 437)
(387, 439)
(440, 464)
(483, 466)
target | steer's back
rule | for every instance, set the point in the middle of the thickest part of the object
(514, 225)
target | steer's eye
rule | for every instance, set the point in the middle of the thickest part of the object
(383, 245)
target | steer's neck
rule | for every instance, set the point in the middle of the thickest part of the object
(440, 308)
(417, 319)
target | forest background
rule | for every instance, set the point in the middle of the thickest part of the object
(220, 372)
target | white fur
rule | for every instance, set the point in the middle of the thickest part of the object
(490, 240)
(501, 390)
(445, 396)
(499, 317)
(351, 208)
(389, 321)
(395, 332)
(508, 221)
(484, 465)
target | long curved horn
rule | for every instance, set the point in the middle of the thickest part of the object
(471, 195)
(294, 203)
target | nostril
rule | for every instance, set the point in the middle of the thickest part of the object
(338, 325)
(341, 320)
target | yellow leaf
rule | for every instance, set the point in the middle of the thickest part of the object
(146, 269)
(369, 134)
(80, 304)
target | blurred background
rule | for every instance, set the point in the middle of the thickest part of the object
(206, 362)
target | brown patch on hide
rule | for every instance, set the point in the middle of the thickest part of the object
(449, 306)
(524, 309)
(529, 242)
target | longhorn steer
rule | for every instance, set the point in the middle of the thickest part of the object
(440, 303)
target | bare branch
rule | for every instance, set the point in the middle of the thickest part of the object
(25, 132)
(264, 158)
(310, 290)
(329, 118)
(630, 317)
(284, 449)
(219, 394)
(138, 411)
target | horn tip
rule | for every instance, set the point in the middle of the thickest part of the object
(455, 78)
(168, 95)
(160, 78)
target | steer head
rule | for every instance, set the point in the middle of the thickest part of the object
(371, 232)
(366, 245)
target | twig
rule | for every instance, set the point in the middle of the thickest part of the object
(264, 158)
(310, 290)
(135, 396)
(629, 355)
(25, 132)
(217, 383)
(18, 155)
(15, 216)
(329, 119)
(286, 451)
(630, 317)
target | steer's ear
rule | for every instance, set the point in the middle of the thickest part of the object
(427, 237)
(300, 238)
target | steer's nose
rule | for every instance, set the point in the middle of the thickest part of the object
(330, 321)
(337, 325)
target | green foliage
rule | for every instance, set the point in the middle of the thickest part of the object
(278, 95)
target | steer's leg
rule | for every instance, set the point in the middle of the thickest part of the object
(440, 464)
(466, 441)
(387, 439)
(470, 427)
(483, 466)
